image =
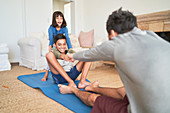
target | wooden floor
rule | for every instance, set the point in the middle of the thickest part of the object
(16, 97)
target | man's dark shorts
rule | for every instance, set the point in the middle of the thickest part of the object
(104, 104)
(73, 74)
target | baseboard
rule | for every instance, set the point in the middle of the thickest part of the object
(15, 64)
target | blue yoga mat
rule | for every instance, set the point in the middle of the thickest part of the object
(51, 90)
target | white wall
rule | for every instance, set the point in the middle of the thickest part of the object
(19, 18)
(78, 11)
(37, 15)
(67, 16)
(11, 25)
(93, 14)
(58, 5)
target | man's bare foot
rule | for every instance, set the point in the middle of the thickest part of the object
(65, 89)
(83, 84)
(93, 85)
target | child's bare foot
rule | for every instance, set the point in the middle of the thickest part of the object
(45, 76)
(72, 84)
(65, 89)
(83, 84)
(93, 85)
(44, 79)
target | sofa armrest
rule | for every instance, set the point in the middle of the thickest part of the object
(30, 48)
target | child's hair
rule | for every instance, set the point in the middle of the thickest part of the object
(121, 21)
(56, 14)
(59, 36)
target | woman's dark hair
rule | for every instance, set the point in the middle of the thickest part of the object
(56, 14)
(121, 21)
(59, 36)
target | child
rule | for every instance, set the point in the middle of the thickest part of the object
(58, 26)
(63, 71)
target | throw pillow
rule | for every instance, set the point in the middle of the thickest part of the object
(86, 39)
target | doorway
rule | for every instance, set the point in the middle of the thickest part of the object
(65, 7)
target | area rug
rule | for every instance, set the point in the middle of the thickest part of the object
(51, 90)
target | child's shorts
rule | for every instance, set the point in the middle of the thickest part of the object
(73, 74)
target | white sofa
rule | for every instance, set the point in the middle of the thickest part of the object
(34, 48)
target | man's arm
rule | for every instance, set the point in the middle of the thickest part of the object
(102, 52)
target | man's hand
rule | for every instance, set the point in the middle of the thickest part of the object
(70, 56)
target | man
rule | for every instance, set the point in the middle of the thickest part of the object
(142, 59)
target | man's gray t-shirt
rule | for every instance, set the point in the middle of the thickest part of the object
(143, 61)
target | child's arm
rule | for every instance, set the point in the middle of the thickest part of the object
(71, 51)
(64, 57)
(58, 55)
(50, 34)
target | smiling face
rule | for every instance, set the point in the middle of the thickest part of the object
(61, 45)
(59, 20)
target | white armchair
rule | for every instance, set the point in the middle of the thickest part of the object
(33, 50)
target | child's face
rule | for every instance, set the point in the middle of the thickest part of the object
(61, 45)
(59, 20)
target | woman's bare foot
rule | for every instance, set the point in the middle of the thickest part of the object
(93, 85)
(83, 84)
(66, 89)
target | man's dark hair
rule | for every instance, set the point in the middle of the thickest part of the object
(56, 14)
(59, 36)
(121, 21)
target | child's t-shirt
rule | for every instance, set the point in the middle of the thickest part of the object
(65, 64)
